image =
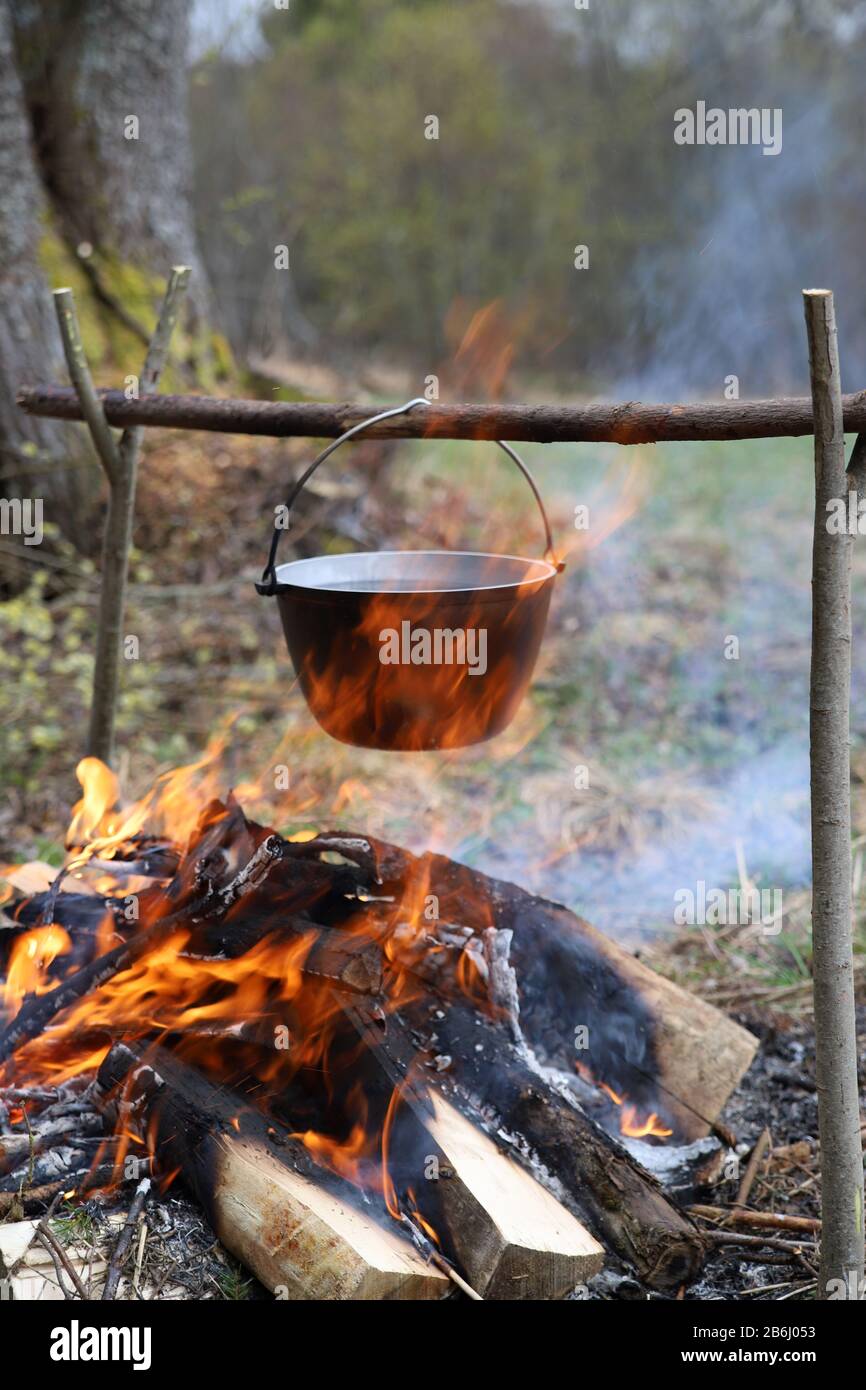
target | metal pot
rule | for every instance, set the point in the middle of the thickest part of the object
(412, 650)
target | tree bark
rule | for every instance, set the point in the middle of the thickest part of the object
(829, 701)
(91, 70)
(32, 461)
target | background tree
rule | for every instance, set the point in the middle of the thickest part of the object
(95, 155)
(31, 458)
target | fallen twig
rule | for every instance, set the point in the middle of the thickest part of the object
(748, 1179)
(124, 1240)
(61, 1260)
(771, 1220)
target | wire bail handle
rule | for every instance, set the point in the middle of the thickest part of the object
(268, 584)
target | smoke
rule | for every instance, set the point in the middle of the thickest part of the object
(725, 300)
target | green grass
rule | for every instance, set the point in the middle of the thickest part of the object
(234, 1285)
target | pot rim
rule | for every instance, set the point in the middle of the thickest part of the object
(282, 584)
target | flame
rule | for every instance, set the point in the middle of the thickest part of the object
(636, 1128)
(209, 1008)
(630, 1123)
(355, 1156)
(29, 961)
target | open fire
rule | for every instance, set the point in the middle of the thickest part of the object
(368, 1016)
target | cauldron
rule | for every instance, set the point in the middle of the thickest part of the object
(417, 649)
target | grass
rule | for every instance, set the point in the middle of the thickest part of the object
(75, 1225)
(234, 1285)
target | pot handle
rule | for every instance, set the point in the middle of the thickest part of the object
(268, 584)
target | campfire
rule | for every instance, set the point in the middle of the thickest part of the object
(382, 1075)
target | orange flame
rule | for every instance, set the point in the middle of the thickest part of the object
(29, 960)
(630, 1123)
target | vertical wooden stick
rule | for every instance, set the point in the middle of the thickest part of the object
(121, 467)
(829, 700)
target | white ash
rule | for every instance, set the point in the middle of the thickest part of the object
(502, 984)
(675, 1165)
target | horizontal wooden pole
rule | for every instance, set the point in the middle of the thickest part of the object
(629, 422)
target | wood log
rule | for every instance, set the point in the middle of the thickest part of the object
(483, 1073)
(513, 1238)
(649, 1039)
(199, 896)
(339, 958)
(510, 1236)
(628, 422)
(298, 1229)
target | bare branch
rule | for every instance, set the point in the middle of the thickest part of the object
(829, 700)
(79, 373)
(623, 422)
(117, 540)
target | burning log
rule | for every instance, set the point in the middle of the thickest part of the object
(199, 895)
(510, 1235)
(335, 957)
(490, 994)
(482, 1072)
(626, 422)
(643, 1035)
(298, 1229)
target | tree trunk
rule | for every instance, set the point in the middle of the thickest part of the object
(36, 459)
(106, 83)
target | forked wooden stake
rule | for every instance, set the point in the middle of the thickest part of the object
(120, 464)
(829, 702)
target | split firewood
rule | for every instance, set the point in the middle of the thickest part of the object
(513, 1238)
(296, 1226)
(499, 1085)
